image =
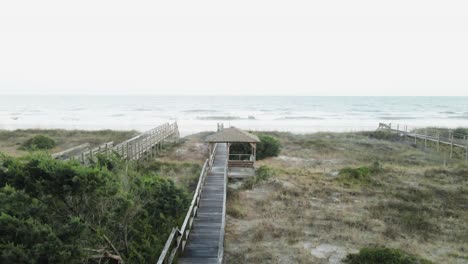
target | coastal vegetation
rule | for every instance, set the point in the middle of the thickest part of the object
(38, 142)
(11, 141)
(268, 146)
(335, 194)
(54, 212)
(354, 197)
(383, 256)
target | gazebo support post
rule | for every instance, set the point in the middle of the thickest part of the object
(254, 151)
(228, 151)
(210, 149)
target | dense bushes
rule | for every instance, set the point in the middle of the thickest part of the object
(461, 131)
(54, 212)
(383, 256)
(268, 147)
(39, 142)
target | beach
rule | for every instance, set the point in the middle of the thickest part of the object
(201, 113)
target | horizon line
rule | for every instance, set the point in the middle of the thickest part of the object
(218, 95)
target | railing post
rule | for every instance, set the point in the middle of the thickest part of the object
(466, 149)
(425, 139)
(128, 151)
(451, 146)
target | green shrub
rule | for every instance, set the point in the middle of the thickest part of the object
(268, 147)
(55, 211)
(384, 135)
(39, 142)
(261, 174)
(360, 175)
(383, 256)
(461, 131)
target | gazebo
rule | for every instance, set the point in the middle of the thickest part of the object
(231, 136)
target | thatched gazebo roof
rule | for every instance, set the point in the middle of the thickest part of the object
(232, 135)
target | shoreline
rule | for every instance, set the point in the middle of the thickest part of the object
(191, 127)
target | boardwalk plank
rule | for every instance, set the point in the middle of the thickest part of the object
(202, 245)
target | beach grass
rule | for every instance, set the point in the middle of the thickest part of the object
(347, 191)
(350, 191)
(11, 141)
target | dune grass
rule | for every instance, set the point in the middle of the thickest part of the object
(11, 141)
(353, 191)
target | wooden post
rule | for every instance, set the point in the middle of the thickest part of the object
(438, 141)
(254, 152)
(228, 151)
(425, 138)
(406, 132)
(466, 149)
(82, 157)
(451, 147)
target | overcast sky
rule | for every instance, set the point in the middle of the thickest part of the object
(235, 47)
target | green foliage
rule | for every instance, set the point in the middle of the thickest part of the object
(261, 174)
(360, 175)
(38, 142)
(54, 212)
(461, 131)
(268, 147)
(383, 256)
(384, 135)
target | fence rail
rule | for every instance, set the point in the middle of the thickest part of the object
(177, 240)
(440, 136)
(139, 147)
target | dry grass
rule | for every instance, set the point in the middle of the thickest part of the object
(10, 141)
(414, 202)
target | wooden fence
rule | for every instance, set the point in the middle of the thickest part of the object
(439, 136)
(145, 145)
(177, 240)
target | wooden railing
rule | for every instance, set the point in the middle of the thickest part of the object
(440, 136)
(148, 143)
(241, 157)
(142, 146)
(85, 154)
(175, 244)
(67, 154)
(223, 221)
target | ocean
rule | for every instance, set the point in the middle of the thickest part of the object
(202, 113)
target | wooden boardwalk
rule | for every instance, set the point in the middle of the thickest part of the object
(200, 239)
(145, 145)
(204, 243)
(438, 136)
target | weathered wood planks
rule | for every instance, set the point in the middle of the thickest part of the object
(205, 244)
(142, 146)
(201, 237)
